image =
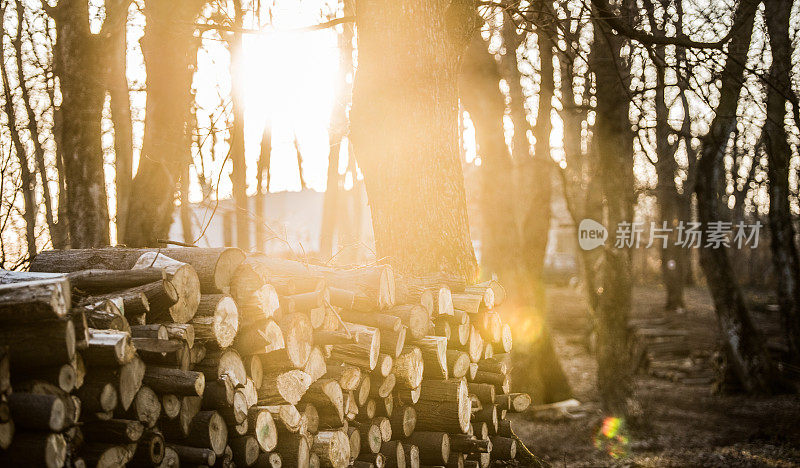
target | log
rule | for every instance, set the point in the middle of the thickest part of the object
(97, 395)
(332, 448)
(456, 460)
(385, 322)
(113, 431)
(315, 366)
(218, 393)
(348, 376)
(269, 460)
(35, 449)
(394, 454)
(168, 353)
(106, 313)
(514, 402)
(171, 405)
(154, 331)
(392, 343)
(503, 448)
(413, 316)
(185, 279)
(149, 449)
(181, 331)
(506, 340)
(178, 428)
(108, 348)
(294, 450)
(175, 381)
(38, 412)
(403, 421)
(245, 450)
(382, 387)
(385, 426)
(283, 388)
(236, 413)
(161, 296)
(457, 363)
(99, 281)
(434, 447)
(223, 362)
(408, 396)
(501, 381)
(434, 356)
(364, 390)
(208, 430)
(266, 337)
(214, 266)
(412, 455)
(216, 321)
(444, 405)
(375, 460)
(37, 345)
(107, 455)
(385, 364)
(385, 406)
(127, 378)
(146, 408)
(370, 437)
(471, 303)
(367, 411)
(409, 368)
(32, 301)
(487, 415)
(194, 455)
(262, 427)
(298, 338)
(484, 392)
(492, 365)
(365, 349)
(326, 396)
(354, 436)
(63, 376)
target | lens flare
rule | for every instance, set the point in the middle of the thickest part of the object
(612, 437)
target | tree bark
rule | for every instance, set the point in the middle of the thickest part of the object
(613, 143)
(405, 131)
(784, 250)
(743, 343)
(117, 85)
(170, 51)
(239, 174)
(78, 55)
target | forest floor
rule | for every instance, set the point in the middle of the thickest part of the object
(683, 424)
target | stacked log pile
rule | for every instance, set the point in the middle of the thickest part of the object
(210, 357)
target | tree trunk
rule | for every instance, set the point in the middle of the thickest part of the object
(80, 71)
(27, 179)
(784, 250)
(57, 234)
(481, 97)
(744, 347)
(261, 190)
(170, 50)
(667, 196)
(405, 131)
(613, 144)
(239, 174)
(117, 84)
(338, 127)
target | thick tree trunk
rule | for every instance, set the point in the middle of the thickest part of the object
(170, 51)
(744, 347)
(117, 84)
(80, 72)
(405, 131)
(784, 250)
(481, 97)
(613, 144)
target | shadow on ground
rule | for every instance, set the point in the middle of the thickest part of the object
(684, 425)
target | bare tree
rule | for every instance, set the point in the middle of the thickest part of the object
(744, 348)
(405, 131)
(239, 173)
(79, 66)
(170, 55)
(784, 250)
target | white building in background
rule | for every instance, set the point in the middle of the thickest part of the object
(291, 223)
